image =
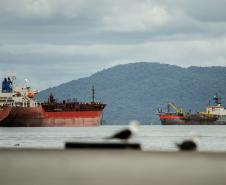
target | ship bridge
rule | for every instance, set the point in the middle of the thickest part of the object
(217, 108)
(15, 96)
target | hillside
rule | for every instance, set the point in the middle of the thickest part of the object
(137, 90)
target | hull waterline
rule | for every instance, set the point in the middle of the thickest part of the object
(37, 117)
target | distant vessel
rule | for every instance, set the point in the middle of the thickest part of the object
(18, 108)
(215, 115)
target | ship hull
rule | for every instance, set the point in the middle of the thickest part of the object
(179, 121)
(176, 122)
(37, 117)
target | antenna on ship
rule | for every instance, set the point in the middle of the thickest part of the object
(93, 94)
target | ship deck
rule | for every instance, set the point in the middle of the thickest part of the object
(110, 167)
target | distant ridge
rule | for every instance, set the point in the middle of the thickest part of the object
(137, 90)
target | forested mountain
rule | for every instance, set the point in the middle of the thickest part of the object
(137, 90)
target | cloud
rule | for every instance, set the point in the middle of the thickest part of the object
(207, 11)
(29, 9)
(170, 50)
(54, 41)
(136, 17)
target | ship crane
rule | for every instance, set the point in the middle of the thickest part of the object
(178, 110)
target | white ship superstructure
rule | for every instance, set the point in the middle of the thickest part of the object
(217, 109)
(17, 96)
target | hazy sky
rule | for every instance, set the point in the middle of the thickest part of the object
(54, 41)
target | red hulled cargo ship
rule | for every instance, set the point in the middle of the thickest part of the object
(18, 108)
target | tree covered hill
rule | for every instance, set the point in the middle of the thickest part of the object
(137, 90)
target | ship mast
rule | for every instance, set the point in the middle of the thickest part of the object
(217, 100)
(93, 94)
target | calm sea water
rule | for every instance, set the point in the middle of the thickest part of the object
(154, 137)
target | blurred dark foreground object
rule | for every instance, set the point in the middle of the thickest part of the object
(187, 145)
(103, 145)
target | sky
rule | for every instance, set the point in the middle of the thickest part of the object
(54, 41)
